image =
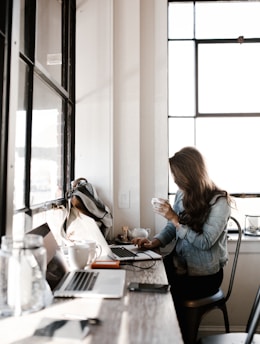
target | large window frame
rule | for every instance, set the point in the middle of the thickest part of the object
(184, 126)
(63, 89)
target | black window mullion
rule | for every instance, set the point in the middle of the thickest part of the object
(4, 116)
(65, 35)
(28, 57)
(28, 151)
(196, 80)
(29, 28)
(71, 88)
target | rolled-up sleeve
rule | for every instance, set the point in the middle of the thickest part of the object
(167, 234)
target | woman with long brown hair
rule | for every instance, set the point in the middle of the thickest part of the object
(197, 221)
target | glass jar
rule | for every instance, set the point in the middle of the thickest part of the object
(27, 261)
(5, 308)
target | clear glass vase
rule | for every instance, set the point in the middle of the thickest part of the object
(24, 279)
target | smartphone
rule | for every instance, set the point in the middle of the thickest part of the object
(149, 287)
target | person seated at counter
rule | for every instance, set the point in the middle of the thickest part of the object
(197, 221)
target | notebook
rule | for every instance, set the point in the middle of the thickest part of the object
(105, 283)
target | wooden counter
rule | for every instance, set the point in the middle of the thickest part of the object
(137, 318)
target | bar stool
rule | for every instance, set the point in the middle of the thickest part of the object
(196, 309)
(240, 337)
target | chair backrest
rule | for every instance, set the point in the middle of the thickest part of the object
(234, 266)
(253, 319)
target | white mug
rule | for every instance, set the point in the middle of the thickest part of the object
(156, 202)
(78, 255)
(95, 250)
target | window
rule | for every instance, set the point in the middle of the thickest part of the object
(214, 77)
(44, 120)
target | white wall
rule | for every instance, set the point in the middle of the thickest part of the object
(121, 105)
(121, 123)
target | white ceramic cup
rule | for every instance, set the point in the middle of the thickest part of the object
(95, 250)
(78, 255)
(156, 202)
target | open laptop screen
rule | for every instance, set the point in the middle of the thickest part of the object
(56, 264)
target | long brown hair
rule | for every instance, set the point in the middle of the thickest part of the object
(191, 175)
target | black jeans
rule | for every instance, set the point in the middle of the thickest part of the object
(191, 287)
(184, 287)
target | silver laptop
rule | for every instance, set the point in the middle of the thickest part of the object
(117, 252)
(105, 283)
(131, 253)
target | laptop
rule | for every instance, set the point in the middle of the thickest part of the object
(86, 227)
(105, 283)
(130, 253)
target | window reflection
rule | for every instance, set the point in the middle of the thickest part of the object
(230, 149)
(228, 75)
(227, 19)
(180, 20)
(46, 161)
(181, 133)
(181, 79)
(20, 140)
(48, 36)
(22, 25)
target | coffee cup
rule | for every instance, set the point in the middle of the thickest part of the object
(78, 255)
(95, 250)
(156, 202)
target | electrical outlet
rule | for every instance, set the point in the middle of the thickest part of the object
(123, 200)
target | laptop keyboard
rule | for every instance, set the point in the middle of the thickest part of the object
(82, 280)
(122, 252)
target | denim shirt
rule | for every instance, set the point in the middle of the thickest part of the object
(204, 253)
